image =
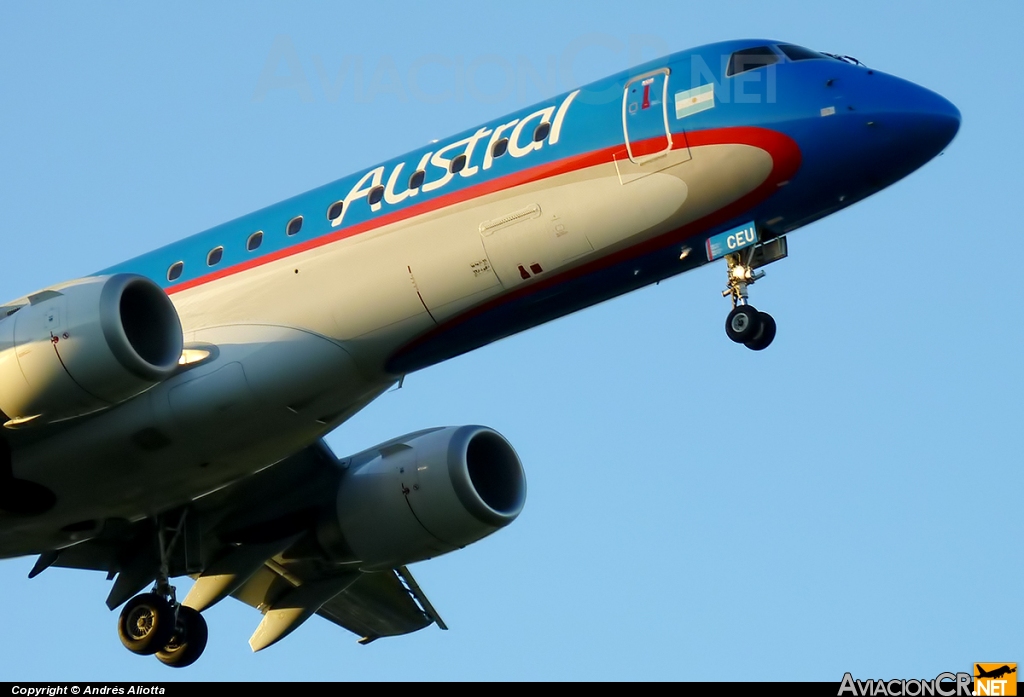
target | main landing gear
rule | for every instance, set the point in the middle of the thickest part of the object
(746, 324)
(150, 624)
(155, 623)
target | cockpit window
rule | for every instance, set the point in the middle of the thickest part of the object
(799, 53)
(750, 58)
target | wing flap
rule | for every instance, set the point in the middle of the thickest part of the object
(377, 604)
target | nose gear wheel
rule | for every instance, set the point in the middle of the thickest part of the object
(743, 324)
(767, 334)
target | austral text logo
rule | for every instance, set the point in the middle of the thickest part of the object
(995, 679)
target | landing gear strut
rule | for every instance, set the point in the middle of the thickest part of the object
(155, 623)
(745, 324)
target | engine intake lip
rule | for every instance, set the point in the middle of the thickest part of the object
(487, 475)
(141, 326)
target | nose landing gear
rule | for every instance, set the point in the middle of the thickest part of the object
(745, 324)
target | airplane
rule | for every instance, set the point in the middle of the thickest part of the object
(165, 416)
(995, 672)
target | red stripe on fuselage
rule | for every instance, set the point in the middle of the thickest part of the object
(777, 145)
(510, 181)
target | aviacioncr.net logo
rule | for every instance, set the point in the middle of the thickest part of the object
(944, 685)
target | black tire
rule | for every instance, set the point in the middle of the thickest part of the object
(743, 324)
(188, 642)
(146, 624)
(767, 334)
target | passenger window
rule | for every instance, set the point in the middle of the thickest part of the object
(750, 58)
(458, 164)
(334, 212)
(254, 241)
(174, 273)
(499, 148)
(214, 257)
(294, 225)
(376, 194)
(416, 180)
(541, 132)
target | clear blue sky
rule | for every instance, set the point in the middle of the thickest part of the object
(841, 502)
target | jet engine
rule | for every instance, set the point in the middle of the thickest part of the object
(85, 345)
(422, 495)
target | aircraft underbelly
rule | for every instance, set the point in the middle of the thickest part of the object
(267, 392)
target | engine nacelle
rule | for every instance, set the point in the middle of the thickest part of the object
(422, 495)
(86, 345)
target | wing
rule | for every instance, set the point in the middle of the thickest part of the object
(256, 541)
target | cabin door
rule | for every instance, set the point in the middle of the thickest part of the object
(645, 117)
(650, 144)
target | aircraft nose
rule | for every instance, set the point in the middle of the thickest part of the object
(866, 130)
(918, 123)
(935, 121)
